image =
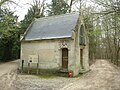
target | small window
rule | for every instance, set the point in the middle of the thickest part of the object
(82, 35)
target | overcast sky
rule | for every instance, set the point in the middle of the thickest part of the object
(23, 6)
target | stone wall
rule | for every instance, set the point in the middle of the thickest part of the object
(49, 52)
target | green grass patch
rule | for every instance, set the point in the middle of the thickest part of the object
(46, 76)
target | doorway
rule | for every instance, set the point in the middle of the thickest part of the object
(81, 58)
(65, 58)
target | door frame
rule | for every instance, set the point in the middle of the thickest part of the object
(81, 58)
(62, 58)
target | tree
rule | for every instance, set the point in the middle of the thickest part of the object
(35, 11)
(58, 7)
(109, 22)
(4, 1)
(9, 35)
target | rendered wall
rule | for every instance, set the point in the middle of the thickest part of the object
(49, 52)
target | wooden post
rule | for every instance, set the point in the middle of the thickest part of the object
(28, 68)
(22, 65)
(37, 68)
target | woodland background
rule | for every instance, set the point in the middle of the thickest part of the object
(101, 18)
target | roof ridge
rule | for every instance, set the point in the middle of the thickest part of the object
(60, 15)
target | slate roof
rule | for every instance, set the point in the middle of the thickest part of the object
(59, 26)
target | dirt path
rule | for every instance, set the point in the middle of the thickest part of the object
(8, 75)
(103, 76)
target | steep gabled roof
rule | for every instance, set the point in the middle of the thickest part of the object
(59, 26)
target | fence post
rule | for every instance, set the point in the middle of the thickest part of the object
(37, 68)
(28, 68)
(22, 64)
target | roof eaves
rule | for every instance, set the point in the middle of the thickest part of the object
(51, 38)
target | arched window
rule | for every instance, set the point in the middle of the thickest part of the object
(82, 35)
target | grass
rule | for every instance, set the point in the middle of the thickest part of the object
(49, 74)
(55, 75)
(46, 76)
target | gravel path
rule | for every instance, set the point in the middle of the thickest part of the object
(103, 76)
(29, 82)
(7, 67)
(8, 75)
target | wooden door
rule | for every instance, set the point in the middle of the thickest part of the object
(65, 58)
(81, 58)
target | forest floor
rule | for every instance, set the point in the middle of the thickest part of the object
(103, 76)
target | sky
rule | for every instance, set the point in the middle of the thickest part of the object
(21, 7)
